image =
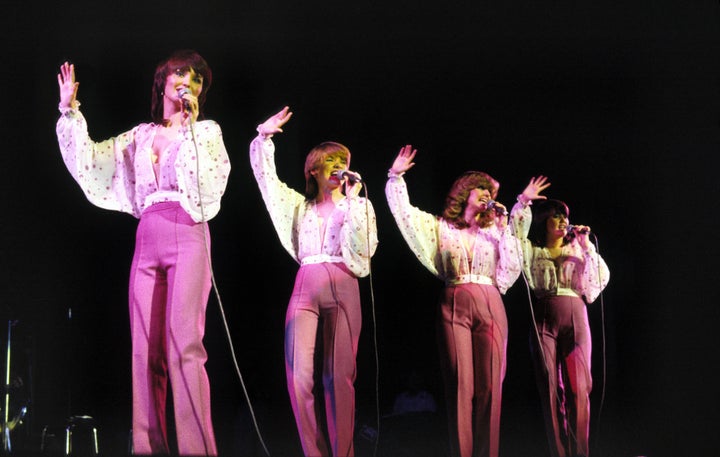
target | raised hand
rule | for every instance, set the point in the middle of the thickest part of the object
(68, 86)
(404, 160)
(533, 189)
(275, 122)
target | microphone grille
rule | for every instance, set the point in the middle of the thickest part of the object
(574, 230)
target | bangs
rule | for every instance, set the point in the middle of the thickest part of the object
(185, 61)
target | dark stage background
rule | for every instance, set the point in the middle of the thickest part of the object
(617, 102)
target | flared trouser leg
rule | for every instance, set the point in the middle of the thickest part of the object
(169, 289)
(473, 331)
(325, 299)
(563, 373)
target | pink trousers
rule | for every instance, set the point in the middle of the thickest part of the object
(169, 288)
(473, 331)
(563, 373)
(325, 309)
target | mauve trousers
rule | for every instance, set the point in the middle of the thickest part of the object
(473, 332)
(325, 298)
(169, 289)
(563, 373)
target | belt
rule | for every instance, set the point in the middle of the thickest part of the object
(474, 279)
(321, 258)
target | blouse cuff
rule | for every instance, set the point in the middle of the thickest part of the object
(524, 200)
(262, 134)
(392, 174)
(64, 110)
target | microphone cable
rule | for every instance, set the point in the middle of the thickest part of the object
(528, 290)
(368, 234)
(533, 323)
(603, 339)
(217, 294)
(375, 343)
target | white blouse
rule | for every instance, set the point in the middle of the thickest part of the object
(492, 257)
(118, 173)
(349, 235)
(576, 271)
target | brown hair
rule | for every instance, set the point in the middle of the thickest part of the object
(183, 59)
(456, 199)
(314, 160)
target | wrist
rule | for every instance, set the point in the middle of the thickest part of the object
(524, 200)
(65, 108)
(395, 174)
(262, 133)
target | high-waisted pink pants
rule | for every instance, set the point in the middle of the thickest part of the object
(325, 299)
(474, 333)
(169, 289)
(563, 373)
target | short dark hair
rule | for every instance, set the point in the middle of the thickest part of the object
(542, 210)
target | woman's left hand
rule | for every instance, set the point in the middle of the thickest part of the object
(582, 233)
(533, 189)
(190, 107)
(352, 189)
(501, 215)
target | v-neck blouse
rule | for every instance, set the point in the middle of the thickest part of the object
(350, 232)
(494, 256)
(119, 174)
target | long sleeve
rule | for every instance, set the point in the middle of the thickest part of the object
(282, 203)
(494, 256)
(202, 173)
(419, 229)
(510, 260)
(117, 173)
(100, 168)
(359, 235)
(520, 220)
(350, 232)
(595, 275)
(580, 270)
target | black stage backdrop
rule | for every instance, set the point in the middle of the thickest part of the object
(617, 102)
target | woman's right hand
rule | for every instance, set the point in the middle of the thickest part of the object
(68, 86)
(404, 160)
(274, 123)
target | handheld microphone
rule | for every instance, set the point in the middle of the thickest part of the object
(492, 204)
(350, 175)
(573, 229)
(181, 94)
